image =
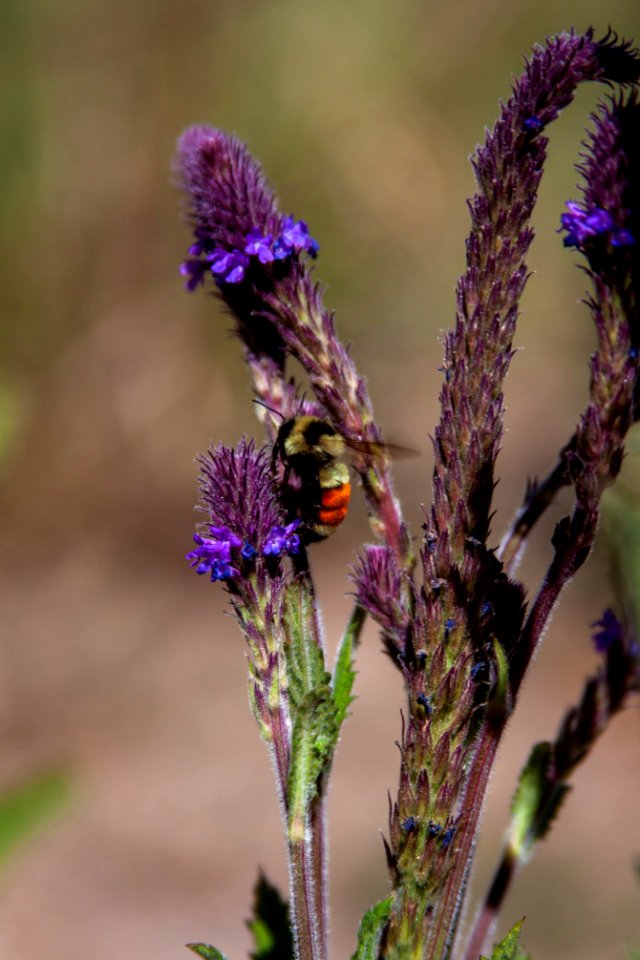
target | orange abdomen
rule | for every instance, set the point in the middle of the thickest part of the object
(334, 504)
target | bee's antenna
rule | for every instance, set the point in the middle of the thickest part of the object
(276, 413)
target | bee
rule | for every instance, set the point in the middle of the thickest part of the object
(316, 486)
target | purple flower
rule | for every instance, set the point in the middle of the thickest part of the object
(214, 553)
(248, 552)
(583, 224)
(622, 238)
(280, 250)
(259, 246)
(608, 632)
(245, 517)
(379, 586)
(229, 267)
(282, 540)
(294, 235)
(237, 494)
(194, 271)
(532, 124)
(227, 193)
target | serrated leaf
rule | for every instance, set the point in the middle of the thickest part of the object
(305, 659)
(315, 734)
(206, 951)
(270, 924)
(371, 930)
(29, 805)
(509, 948)
(313, 710)
(344, 674)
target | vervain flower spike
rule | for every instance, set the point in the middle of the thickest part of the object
(462, 634)
(259, 260)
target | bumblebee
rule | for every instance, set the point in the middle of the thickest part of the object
(316, 487)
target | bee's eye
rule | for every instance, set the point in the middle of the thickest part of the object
(316, 431)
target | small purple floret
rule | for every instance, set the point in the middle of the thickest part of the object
(584, 224)
(259, 246)
(532, 124)
(608, 632)
(282, 540)
(248, 552)
(221, 570)
(214, 553)
(447, 837)
(295, 236)
(622, 238)
(229, 267)
(193, 271)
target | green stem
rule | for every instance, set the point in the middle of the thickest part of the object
(307, 847)
(306, 860)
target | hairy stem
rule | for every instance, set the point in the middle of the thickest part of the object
(446, 922)
(306, 921)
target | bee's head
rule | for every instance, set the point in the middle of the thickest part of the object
(309, 437)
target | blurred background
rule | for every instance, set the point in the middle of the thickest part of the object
(138, 798)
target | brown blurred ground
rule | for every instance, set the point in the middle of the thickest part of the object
(116, 660)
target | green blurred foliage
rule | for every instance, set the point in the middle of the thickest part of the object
(622, 528)
(29, 806)
(509, 947)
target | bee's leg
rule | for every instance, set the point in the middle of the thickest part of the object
(300, 562)
(275, 456)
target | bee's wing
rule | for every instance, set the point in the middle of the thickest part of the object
(373, 449)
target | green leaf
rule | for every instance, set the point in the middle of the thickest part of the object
(313, 710)
(305, 659)
(315, 734)
(527, 798)
(371, 929)
(344, 674)
(500, 693)
(634, 953)
(535, 803)
(270, 924)
(206, 951)
(621, 513)
(509, 948)
(10, 417)
(29, 805)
